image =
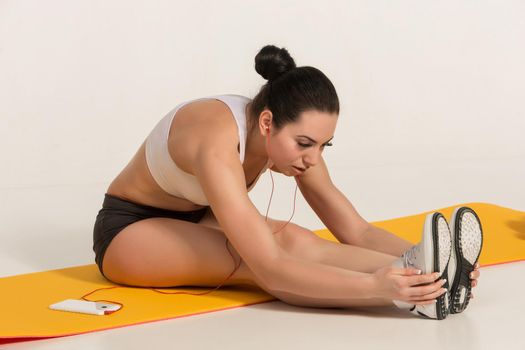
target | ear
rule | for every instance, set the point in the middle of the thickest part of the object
(265, 122)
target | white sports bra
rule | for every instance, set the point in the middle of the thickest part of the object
(167, 174)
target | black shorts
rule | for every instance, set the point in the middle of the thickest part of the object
(117, 213)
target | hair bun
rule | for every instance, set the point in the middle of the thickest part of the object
(272, 61)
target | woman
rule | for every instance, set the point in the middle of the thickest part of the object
(166, 217)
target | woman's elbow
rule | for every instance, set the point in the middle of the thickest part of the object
(267, 271)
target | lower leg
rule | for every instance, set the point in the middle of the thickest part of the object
(359, 260)
(298, 300)
(351, 257)
(245, 276)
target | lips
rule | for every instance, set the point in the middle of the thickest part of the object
(299, 169)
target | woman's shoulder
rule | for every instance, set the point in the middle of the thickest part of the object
(202, 119)
(204, 125)
(212, 107)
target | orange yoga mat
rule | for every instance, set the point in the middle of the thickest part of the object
(25, 314)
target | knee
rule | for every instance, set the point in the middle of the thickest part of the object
(299, 241)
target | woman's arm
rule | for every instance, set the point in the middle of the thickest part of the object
(340, 216)
(380, 240)
(331, 205)
(222, 179)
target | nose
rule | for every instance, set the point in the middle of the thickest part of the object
(312, 158)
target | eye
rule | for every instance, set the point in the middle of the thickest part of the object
(309, 145)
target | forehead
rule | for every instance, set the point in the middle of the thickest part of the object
(314, 123)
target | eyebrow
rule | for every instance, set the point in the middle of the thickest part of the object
(311, 139)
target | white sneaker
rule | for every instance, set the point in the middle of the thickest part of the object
(467, 240)
(431, 255)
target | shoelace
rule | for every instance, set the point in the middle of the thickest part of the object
(410, 256)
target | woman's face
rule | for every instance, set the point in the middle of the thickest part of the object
(301, 144)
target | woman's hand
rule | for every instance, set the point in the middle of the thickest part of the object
(474, 275)
(406, 285)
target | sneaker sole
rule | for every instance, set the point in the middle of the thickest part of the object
(468, 242)
(441, 240)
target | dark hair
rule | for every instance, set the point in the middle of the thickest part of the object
(290, 90)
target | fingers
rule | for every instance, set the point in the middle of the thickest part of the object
(424, 295)
(474, 275)
(428, 299)
(407, 271)
(422, 279)
(423, 291)
(437, 293)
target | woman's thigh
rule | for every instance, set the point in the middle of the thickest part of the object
(166, 252)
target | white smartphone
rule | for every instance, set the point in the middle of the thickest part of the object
(85, 307)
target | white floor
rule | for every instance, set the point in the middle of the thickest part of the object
(59, 234)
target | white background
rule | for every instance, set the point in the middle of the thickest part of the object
(431, 96)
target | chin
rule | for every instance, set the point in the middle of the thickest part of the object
(292, 174)
(275, 169)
